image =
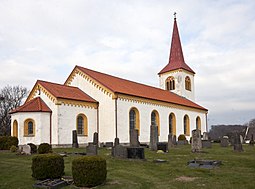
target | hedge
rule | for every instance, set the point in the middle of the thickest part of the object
(7, 141)
(44, 148)
(47, 166)
(89, 171)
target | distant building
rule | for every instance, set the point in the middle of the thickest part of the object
(90, 101)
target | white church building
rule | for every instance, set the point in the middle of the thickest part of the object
(90, 101)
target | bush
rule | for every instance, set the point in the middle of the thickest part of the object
(89, 171)
(47, 166)
(7, 141)
(33, 148)
(44, 148)
(13, 148)
(182, 137)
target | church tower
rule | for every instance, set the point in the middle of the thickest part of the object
(177, 76)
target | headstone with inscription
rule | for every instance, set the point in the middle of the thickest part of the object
(196, 145)
(75, 140)
(134, 138)
(153, 138)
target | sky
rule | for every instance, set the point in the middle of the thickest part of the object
(45, 39)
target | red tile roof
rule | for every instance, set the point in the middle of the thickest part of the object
(123, 86)
(176, 58)
(66, 92)
(34, 105)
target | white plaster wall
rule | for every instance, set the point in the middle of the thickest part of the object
(145, 110)
(179, 77)
(42, 127)
(106, 107)
(67, 115)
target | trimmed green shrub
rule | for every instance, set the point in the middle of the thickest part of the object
(13, 148)
(89, 171)
(44, 148)
(47, 166)
(33, 148)
(7, 141)
(182, 137)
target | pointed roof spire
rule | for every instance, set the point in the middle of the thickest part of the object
(176, 58)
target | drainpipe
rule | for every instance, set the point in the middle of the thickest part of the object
(50, 127)
(98, 118)
(116, 120)
(206, 121)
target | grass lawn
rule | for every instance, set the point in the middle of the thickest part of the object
(237, 170)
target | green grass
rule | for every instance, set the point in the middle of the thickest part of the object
(237, 170)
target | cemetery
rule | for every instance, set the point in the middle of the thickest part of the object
(134, 165)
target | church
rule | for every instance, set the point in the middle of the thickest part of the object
(90, 101)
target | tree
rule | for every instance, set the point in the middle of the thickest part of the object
(10, 98)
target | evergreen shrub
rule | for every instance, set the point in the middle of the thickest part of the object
(89, 171)
(33, 148)
(46, 166)
(7, 141)
(44, 148)
(13, 148)
(181, 137)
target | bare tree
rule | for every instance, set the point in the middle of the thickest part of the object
(10, 98)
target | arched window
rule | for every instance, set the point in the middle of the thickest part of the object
(82, 125)
(15, 129)
(187, 83)
(198, 123)
(155, 120)
(170, 83)
(29, 127)
(172, 124)
(134, 121)
(186, 126)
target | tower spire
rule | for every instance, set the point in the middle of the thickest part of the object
(176, 58)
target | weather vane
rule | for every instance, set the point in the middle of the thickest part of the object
(174, 15)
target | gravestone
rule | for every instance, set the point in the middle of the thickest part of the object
(153, 138)
(25, 149)
(91, 149)
(75, 140)
(170, 143)
(135, 153)
(174, 140)
(119, 151)
(206, 144)
(95, 138)
(109, 144)
(162, 146)
(224, 142)
(196, 145)
(134, 138)
(251, 143)
(116, 141)
(205, 136)
(237, 143)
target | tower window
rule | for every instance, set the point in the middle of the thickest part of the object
(170, 83)
(187, 83)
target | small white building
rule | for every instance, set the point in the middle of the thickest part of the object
(90, 101)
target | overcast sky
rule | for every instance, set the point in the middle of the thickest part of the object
(45, 39)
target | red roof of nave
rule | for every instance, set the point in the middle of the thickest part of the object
(34, 105)
(65, 92)
(123, 86)
(176, 58)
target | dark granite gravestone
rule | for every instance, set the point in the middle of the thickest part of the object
(95, 138)
(119, 151)
(237, 143)
(91, 149)
(162, 146)
(153, 138)
(135, 153)
(251, 143)
(196, 145)
(224, 142)
(109, 144)
(116, 141)
(75, 140)
(134, 138)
